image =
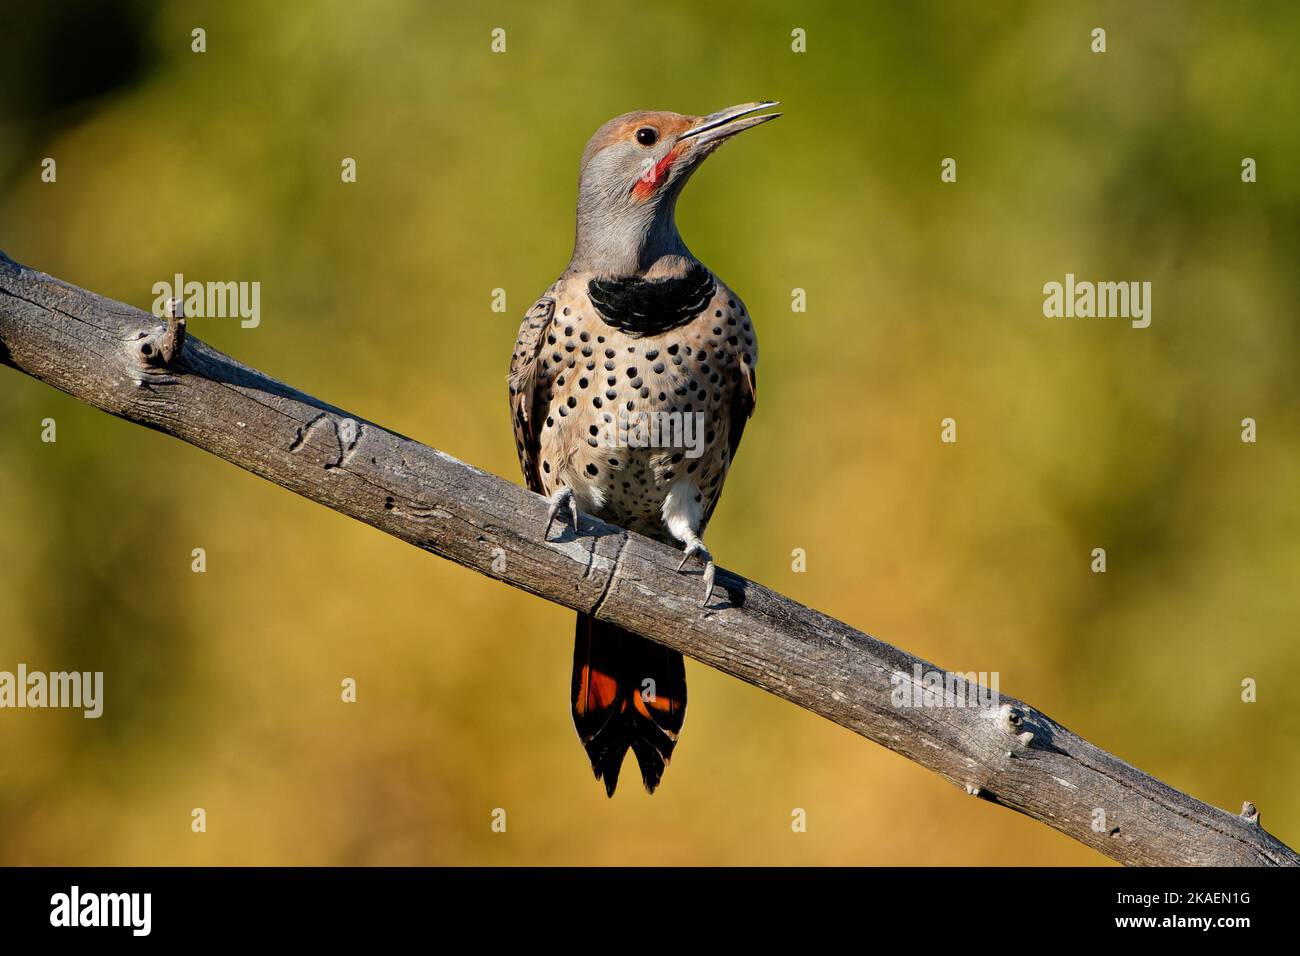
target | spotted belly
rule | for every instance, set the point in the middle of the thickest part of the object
(638, 425)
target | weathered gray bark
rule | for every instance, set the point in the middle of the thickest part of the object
(116, 357)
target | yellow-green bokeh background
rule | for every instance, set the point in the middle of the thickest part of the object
(924, 301)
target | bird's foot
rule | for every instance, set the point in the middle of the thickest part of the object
(561, 498)
(697, 548)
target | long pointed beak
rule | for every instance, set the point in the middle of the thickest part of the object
(726, 123)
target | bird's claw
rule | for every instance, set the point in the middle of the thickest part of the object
(563, 496)
(693, 549)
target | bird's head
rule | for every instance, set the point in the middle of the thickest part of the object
(632, 172)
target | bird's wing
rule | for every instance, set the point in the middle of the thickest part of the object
(523, 383)
(744, 396)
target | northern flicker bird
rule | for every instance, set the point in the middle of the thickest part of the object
(630, 385)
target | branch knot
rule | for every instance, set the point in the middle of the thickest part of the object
(162, 345)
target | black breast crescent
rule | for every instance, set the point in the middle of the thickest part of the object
(650, 306)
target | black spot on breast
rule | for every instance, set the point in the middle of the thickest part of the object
(651, 306)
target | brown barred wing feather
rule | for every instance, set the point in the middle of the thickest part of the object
(523, 385)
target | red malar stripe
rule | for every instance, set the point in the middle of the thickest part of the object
(650, 181)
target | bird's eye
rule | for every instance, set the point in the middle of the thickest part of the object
(646, 136)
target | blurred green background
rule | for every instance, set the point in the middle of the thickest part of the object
(924, 301)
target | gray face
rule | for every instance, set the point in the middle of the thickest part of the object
(633, 170)
(631, 175)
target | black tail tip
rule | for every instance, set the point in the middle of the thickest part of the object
(650, 762)
(607, 765)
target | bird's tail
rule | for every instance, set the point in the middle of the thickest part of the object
(627, 692)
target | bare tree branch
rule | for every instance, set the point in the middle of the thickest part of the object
(119, 358)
